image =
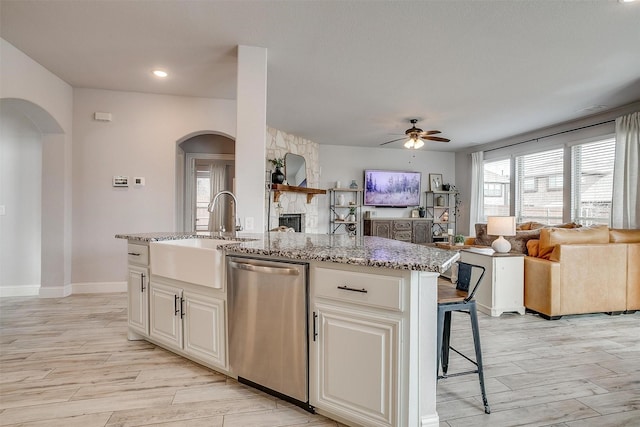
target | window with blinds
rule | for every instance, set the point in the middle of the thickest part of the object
(592, 182)
(539, 184)
(497, 178)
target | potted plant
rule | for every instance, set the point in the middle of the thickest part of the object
(277, 177)
(458, 240)
(422, 212)
(352, 214)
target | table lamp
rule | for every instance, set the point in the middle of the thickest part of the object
(501, 226)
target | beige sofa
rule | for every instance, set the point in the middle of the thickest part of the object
(583, 270)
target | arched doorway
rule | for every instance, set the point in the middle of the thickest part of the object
(32, 181)
(205, 164)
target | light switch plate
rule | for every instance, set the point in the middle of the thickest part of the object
(120, 181)
(2, 211)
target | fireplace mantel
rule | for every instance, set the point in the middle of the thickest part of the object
(278, 189)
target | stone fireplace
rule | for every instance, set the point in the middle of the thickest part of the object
(295, 221)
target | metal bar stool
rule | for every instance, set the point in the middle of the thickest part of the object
(461, 300)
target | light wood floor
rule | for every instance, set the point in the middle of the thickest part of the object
(67, 362)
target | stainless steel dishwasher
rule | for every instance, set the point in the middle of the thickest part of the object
(268, 344)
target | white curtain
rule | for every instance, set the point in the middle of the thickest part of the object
(476, 206)
(218, 180)
(625, 207)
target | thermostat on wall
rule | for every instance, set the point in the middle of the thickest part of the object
(120, 181)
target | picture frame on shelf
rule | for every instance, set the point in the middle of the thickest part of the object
(435, 182)
(415, 213)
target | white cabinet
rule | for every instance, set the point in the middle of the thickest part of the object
(138, 290)
(502, 287)
(138, 299)
(354, 363)
(188, 321)
(166, 314)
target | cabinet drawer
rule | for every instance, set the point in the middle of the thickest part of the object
(363, 288)
(138, 254)
(402, 225)
(405, 236)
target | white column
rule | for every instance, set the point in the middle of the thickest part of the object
(251, 135)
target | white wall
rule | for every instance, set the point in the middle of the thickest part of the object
(338, 163)
(139, 141)
(47, 101)
(20, 195)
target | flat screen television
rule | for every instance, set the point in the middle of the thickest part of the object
(394, 189)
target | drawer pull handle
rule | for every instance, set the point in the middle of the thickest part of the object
(347, 288)
(133, 253)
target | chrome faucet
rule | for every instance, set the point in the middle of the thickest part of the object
(212, 207)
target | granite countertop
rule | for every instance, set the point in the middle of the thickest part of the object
(339, 248)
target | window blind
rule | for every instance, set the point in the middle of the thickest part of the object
(592, 182)
(539, 187)
(497, 178)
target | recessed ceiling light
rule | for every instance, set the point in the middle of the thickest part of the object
(160, 73)
(626, 1)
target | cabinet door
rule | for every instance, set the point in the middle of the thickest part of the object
(421, 232)
(165, 310)
(356, 365)
(138, 299)
(381, 229)
(204, 328)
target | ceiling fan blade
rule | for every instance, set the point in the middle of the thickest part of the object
(431, 132)
(393, 140)
(436, 138)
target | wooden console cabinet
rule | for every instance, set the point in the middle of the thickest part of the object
(412, 230)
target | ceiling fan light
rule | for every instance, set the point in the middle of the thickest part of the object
(419, 143)
(410, 143)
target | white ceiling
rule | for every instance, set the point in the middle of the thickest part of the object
(354, 72)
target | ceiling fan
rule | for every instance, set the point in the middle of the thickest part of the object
(416, 135)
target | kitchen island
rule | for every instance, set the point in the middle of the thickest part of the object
(372, 306)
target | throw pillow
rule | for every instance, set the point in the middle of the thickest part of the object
(518, 242)
(533, 247)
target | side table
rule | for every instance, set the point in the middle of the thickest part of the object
(502, 287)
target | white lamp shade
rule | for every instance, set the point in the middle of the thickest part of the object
(501, 225)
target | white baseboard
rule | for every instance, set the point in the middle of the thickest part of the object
(19, 291)
(62, 291)
(99, 287)
(55, 291)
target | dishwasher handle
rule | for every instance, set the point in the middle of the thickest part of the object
(264, 269)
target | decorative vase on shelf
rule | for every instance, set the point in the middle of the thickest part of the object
(277, 177)
(341, 200)
(353, 185)
(440, 201)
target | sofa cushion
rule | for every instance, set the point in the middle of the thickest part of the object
(618, 235)
(550, 237)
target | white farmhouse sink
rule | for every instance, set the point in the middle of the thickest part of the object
(189, 260)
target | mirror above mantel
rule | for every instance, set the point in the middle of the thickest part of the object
(295, 170)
